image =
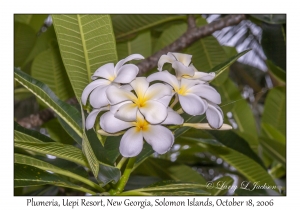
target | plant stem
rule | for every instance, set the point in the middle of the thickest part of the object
(122, 161)
(122, 182)
(175, 101)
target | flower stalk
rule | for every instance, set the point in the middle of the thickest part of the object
(119, 187)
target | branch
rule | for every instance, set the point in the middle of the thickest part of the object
(189, 37)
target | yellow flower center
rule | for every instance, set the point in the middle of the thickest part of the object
(141, 125)
(111, 78)
(182, 91)
(141, 102)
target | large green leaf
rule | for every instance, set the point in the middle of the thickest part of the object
(24, 40)
(34, 141)
(25, 175)
(68, 113)
(126, 26)
(170, 187)
(275, 109)
(275, 149)
(232, 102)
(279, 73)
(86, 42)
(249, 168)
(235, 142)
(48, 68)
(166, 169)
(30, 161)
(139, 45)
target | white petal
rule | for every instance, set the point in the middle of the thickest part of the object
(98, 97)
(129, 58)
(165, 100)
(90, 120)
(188, 83)
(140, 86)
(185, 59)
(207, 92)
(214, 116)
(160, 138)
(204, 76)
(88, 89)
(127, 73)
(154, 111)
(173, 118)
(192, 104)
(115, 108)
(165, 59)
(182, 69)
(111, 124)
(126, 87)
(127, 112)
(157, 91)
(131, 143)
(106, 71)
(164, 76)
(116, 95)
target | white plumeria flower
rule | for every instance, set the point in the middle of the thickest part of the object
(151, 101)
(112, 75)
(201, 76)
(180, 62)
(195, 98)
(159, 137)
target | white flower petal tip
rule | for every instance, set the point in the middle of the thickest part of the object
(206, 126)
(103, 133)
(91, 118)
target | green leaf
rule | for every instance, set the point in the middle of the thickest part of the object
(278, 171)
(24, 40)
(271, 132)
(30, 161)
(68, 113)
(221, 185)
(70, 131)
(25, 175)
(166, 169)
(169, 35)
(219, 69)
(170, 188)
(86, 42)
(278, 72)
(273, 42)
(249, 168)
(22, 18)
(271, 18)
(57, 133)
(126, 26)
(48, 68)
(233, 141)
(275, 149)
(139, 45)
(34, 141)
(108, 174)
(275, 109)
(232, 102)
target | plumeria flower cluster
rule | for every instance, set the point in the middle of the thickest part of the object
(139, 108)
